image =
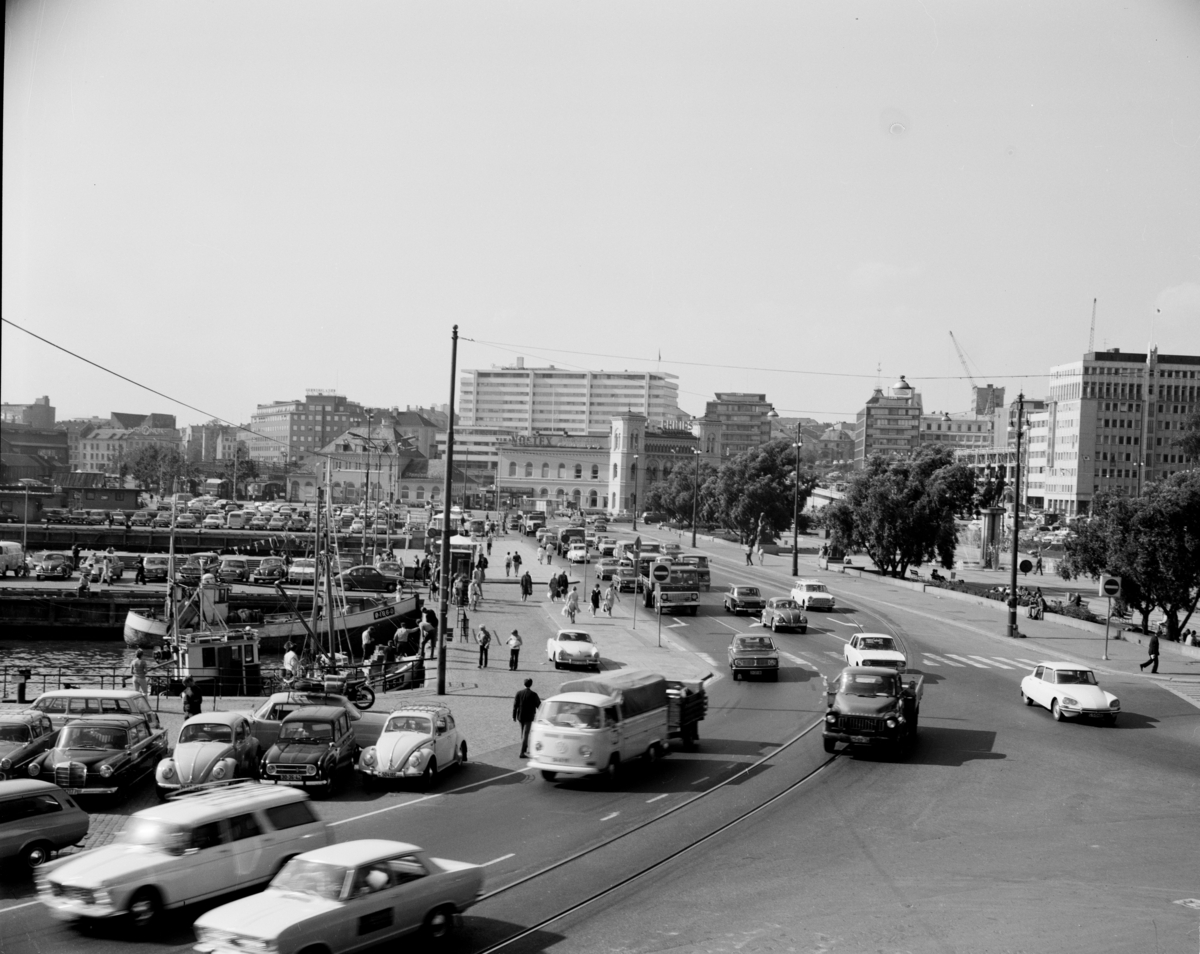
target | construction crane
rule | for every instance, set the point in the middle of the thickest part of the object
(1092, 333)
(963, 359)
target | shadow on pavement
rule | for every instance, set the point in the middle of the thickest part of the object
(675, 775)
(944, 746)
(745, 747)
(931, 678)
(479, 933)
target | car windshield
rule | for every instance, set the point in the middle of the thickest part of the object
(814, 587)
(205, 732)
(786, 604)
(302, 564)
(574, 638)
(156, 561)
(867, 684)
(1080, 677)
(876, 642)
(747, 591)
(754, 643)
(316, 878)
(571, 715)
(151, 833)
(92, 737)
(15, 733)
(304, 731)
(408, 723)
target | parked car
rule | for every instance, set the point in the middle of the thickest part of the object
(302, 570)
(744, 599)
(200, 846)
(259, 522)
(269, 716)
(105, 755)
(162, 521)
(37, 819)
(784, 613)
(874, 649)
(143, 518)
(573, 647)
(366, 578)
(157, 566)
(606, 569)
(197, 565)
(277, 522)
(23, 737)
(270, 570)
(233, 569)
(54, 566)
(315, 748)
(187, 521)
(297, 523)
(753, 656)
(417, 742)
(94, 567)
(578, 553)
(320, 900)
(212, 747)
(1069, 691)
(213, 522)
(64, 705)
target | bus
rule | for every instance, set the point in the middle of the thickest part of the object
(219, 488)
(680, 594)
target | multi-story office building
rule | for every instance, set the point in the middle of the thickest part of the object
(38, 414)
(1111, 419)
(209, 442)
(285, 430)
(525, 400)
(889, 424)
(744, 421)
(964, 430)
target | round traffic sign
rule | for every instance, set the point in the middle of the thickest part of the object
(1111, 586)
(1025, 566)
(661, 573)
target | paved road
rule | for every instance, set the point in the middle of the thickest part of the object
(1004, 831)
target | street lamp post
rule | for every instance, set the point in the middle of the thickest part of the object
(1016, 530)
(695, 494)
(796, 506)
(633, 493)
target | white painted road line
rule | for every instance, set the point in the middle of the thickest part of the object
(929, 661)
(1028, 662)
(497, 860)
(657, 797)
(841, 622)
(796, 659)
(969, 662)
(610, 816)
(424, 798)
(16, 907)
(946, 661)
(830, 652)
(707, 658)
(993, 662)
(699, 780)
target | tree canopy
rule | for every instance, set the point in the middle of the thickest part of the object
(901, 512)
(1189, 441)
(156, 467)
(673, 495)
(753, 492)
(1152, 542)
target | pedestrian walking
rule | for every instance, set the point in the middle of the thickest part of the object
(1037, 566)
(476, 595)
(595, 599)
(482, 565)
(525, 708)
(193, 700)
(572, 606)
(477, 579)
(749, 555)
(552, 589)
(139, 576)
(75, 556)
(141, 680)
(485, 640)
(514, 650)
(760, 554)
(541, 556)
(549, 555)
(516, 563)
(508, 564)
(1152, 662)
(291, 663)
(489, 545)
(608, 599)
(428, 638)
(526, 586)
(563, 583)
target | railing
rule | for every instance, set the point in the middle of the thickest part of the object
(45, 679)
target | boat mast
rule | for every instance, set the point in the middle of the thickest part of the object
(171, 579)
(317, 563)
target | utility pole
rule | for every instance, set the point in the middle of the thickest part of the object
(1013, 632)
(444, 569)
(796, 507)
(695, 494)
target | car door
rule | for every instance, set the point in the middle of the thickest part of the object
(249, 856)
(1037, 687)
(850, 650)
(413, 894)
(371, 909)
(443, 741)
(346, 744)
(209, 869)
(243, 747)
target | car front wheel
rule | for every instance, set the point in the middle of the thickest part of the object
(1056, 711)
(144, 909)
(1025, 699)
(438, 923)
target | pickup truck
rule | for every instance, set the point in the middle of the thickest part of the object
(596, 724)
(872, 706)
(532, 524)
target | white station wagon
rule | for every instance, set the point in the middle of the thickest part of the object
(195, 846)
(812, 594)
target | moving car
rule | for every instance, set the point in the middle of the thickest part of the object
(269, 716)
(54, 566)
(37, 819)
(606, 569)
(573, 647)
(315, 748)
(364, 578)
(874, 649)
(23, 737)
(200, 845)
(744, 599)
(784, 613)
(102, 756)
(1069, 691)
(578, 553)
(157, 566)
(753, 656)
(416, 743)
(812, 594)
(345, 897)
(212, 747)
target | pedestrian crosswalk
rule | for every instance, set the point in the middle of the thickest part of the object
(932, 660)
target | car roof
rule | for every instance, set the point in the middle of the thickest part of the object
(1065, 665)
(224, 718)
(25, 715)
(25, 786)
(418, 709)
(123, 719)
(91, 694)
(876, 636)
(871, 670)
(591, 698)
(314, 712)
(207, 804)
(360, 852)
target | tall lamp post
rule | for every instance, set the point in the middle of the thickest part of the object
(695, 493)
(796, 506)
(633, 496)
(1016, 530)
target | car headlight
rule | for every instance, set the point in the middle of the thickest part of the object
(35, 768)
(106, 771)
(891, 722)
(831, 718)
(537, 746)
(585, 751)
(5, 765)
(102, 896)
(368, 756)
(1068, 701)
(219, 770)
(417, 757)
(272, 769)
(1115, 704)
(168, 770)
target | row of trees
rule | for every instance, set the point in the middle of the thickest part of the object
(160, 468)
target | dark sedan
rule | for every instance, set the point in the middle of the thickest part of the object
(54, 566)
(102, 756)
(315, 747)
(269, 570)
(365, 578)
(23, 737)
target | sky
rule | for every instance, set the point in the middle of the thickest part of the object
(234, 202)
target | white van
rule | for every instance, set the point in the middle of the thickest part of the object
(12, 557)
(236, 519)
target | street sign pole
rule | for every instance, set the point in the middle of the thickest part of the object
(658, 608)
(1107, 622)
(1110, 586)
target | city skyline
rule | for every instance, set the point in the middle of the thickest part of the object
(753, 198)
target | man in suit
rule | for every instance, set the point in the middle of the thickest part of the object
(525, 707)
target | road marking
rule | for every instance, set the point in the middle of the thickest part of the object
(18, 906)
(657, 797)
(677, 622)
(796, 659)
(830, 652)
(725, 624)
(511, 854)
(1028, 662)
(993, 662)
(707, 658)
(946, 661)
(843, 623)
(969, 662)
(610, 815)
(699, 780)
(424, 798)
(930, 662)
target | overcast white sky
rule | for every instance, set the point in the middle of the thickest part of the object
(235, 201)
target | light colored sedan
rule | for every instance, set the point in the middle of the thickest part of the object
(343, 898)
(212, 747)
(1069, 690)
(784, 613)
(573, 647)
(578, 553)
(417, 742)
(874, 649)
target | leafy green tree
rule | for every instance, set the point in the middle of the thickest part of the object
(901, 512)
(1152, 542)
(752, 493)
(157, 467)
(674, 495)
(1189, 442)
(245, 472)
